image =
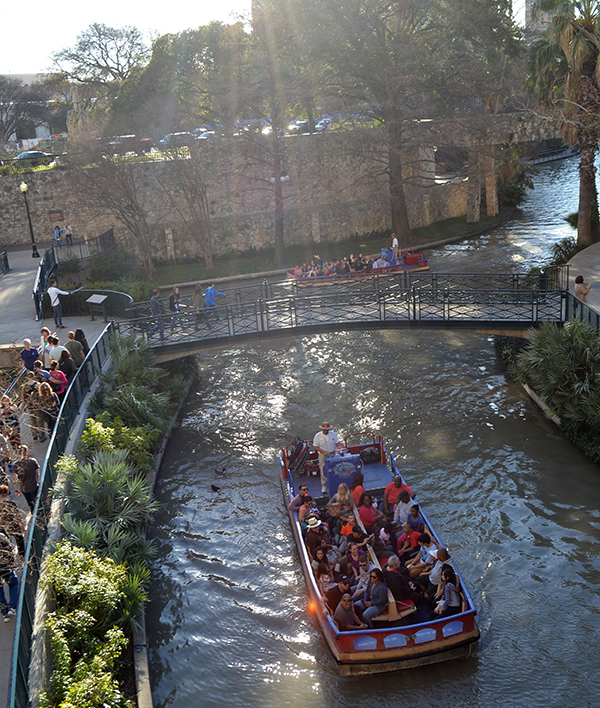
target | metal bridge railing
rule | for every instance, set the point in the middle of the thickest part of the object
(552, 278)
(94, 362)
(332, 307)
(82, 250)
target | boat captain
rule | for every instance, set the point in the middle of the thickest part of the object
(326, 443)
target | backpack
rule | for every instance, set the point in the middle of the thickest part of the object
(370, 455)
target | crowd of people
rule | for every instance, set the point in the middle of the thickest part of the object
(50, 368)
(359, 551)
(203, 310)
(349, 264)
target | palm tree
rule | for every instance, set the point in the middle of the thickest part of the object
(566, 75)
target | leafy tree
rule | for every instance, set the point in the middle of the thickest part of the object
(184, 184)
(565, 73)
(21, 106)
(102, 55)
(404, 60)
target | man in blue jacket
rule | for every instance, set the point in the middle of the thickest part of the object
(210, 300)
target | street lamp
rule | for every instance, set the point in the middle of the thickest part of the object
(34, 252)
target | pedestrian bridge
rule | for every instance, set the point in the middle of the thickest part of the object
(486, 303)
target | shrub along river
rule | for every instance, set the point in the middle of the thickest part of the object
(517, 505)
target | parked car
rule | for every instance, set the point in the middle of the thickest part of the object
(129, 143)
(299, 126)
(322, 125)
(36, 157)
(173, 140)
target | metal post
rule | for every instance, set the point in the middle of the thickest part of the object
(34, 251)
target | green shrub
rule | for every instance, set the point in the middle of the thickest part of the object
(79, 580)
(114, 265)
(508, 348)
(108, 433)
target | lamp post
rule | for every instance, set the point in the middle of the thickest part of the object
(34, 252)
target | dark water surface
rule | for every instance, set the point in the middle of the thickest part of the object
(516, 504)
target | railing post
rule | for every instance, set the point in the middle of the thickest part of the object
(535, 306)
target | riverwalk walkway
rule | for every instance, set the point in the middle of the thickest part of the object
(17, 321)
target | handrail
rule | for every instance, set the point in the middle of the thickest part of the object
(83, 380)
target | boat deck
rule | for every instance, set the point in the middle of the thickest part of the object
(377, 476)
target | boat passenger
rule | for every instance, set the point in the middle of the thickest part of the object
(375, 601)
(308, 507)
(392, 491)
(363, 579)
(334, 594)
(408, 543)
(450, 602)
(400, 584)
(320, 556)
(342, 495)
(424, 560)
(324, 577)
(334, 521)
(298, 272)
(354, 556)
(314, 530)
(417, 520)
(345, 615)
(296, 502)
(431, 580)
(369, 514)
(403, 506)
(357, 489)
(359, 537)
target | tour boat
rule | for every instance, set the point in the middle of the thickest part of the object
(402, 638)
(410, 262)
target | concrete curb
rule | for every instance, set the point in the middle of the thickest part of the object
(538, 401)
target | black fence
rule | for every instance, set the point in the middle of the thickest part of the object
(94, 362)
(83, 250)
(118, 305)
(327, 309)
(4, 267)
(49, 262)
(552, 278)
(46, 267)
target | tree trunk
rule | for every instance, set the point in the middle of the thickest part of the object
(400, 223)
(278, 193)
(588, 230)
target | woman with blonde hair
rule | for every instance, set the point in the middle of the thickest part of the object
(50, 405)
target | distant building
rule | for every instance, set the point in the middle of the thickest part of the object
(540, 23)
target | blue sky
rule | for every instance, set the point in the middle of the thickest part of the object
(31, 33)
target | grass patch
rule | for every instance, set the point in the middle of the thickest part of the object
(370, 243)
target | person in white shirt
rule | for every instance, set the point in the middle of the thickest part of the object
(53, 293)
(403, 507)
(326, 443)
(395, 246)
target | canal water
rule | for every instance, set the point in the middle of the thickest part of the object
(516, 504)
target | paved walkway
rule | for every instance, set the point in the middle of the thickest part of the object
(587, 263)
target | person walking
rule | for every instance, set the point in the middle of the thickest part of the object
(8, 576)
(174, 305)
(211, 301)
(53, 294)
(31, 402)
(26, 476)
(57, 236)
(581, 290)
(156, 314)
(69, 234)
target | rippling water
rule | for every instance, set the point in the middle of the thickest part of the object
(516, 504)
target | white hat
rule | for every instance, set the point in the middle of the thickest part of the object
(313, 522)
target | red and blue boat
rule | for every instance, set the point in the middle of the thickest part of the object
(399, 640)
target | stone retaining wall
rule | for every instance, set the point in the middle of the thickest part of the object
(334, 191)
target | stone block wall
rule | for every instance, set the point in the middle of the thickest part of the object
(334, 191)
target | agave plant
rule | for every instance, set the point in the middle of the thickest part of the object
(110, 507)
(562, 365)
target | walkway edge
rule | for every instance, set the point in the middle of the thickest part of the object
(540, 403)
(40, 662)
